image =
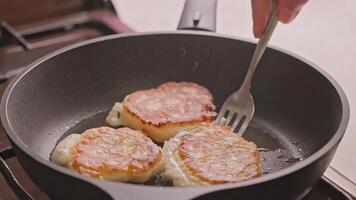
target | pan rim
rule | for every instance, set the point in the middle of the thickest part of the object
(266, 178)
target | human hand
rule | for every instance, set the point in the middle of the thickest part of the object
(287, 10)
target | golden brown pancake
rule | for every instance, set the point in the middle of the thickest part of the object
(116, 154)
(210, 154)
(164, 111)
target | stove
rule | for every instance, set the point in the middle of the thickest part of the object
(43, 27)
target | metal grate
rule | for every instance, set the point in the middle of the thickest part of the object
(15, 186)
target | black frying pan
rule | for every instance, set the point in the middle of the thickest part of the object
(301, 112)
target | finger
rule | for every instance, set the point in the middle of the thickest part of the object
(260, 13)
(288, 9)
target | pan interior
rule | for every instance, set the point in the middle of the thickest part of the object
(276, 151)
(297, 108)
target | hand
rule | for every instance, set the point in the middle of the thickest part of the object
(287, 10)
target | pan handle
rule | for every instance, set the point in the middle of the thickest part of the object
(198, 15)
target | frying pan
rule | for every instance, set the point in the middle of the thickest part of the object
(301, 112)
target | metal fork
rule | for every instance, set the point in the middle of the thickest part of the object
(239, 107)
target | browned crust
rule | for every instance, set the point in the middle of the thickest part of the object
(215, 165)
(98, 153)
(197, 108)
(169, 123)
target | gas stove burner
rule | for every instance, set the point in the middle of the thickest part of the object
(23, 41)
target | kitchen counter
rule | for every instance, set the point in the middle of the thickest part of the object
(324, 33)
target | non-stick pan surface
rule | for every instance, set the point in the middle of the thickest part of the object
(301, 112)
(298, 109)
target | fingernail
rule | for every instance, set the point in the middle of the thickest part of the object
(256, 32)
(286, 15)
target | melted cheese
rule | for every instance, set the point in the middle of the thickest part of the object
(113, 118)
(62, 154)
(174, 168)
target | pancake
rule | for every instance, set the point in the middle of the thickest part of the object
(164, 111)
(209, 155)
(120, 154)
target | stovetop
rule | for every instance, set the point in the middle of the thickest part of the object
(22, 44)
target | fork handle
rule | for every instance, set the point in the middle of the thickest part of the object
(260, 48)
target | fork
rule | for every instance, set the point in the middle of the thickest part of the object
(238, 109)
